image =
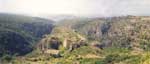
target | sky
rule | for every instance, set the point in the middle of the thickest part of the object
(76, 7)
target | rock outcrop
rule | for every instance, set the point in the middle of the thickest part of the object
(62, 37)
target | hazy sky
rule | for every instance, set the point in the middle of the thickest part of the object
(77, 7)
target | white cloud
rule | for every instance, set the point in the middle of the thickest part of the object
(129, 7)
(77, 7)
(47, 6)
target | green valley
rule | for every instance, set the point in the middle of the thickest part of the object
(110, 40)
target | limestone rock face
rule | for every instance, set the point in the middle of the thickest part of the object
(62, 37)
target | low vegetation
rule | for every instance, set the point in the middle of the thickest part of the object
(115, 40)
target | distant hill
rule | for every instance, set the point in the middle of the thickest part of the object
(114, 31)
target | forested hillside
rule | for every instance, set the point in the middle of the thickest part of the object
(111, 40)
(18, 33)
